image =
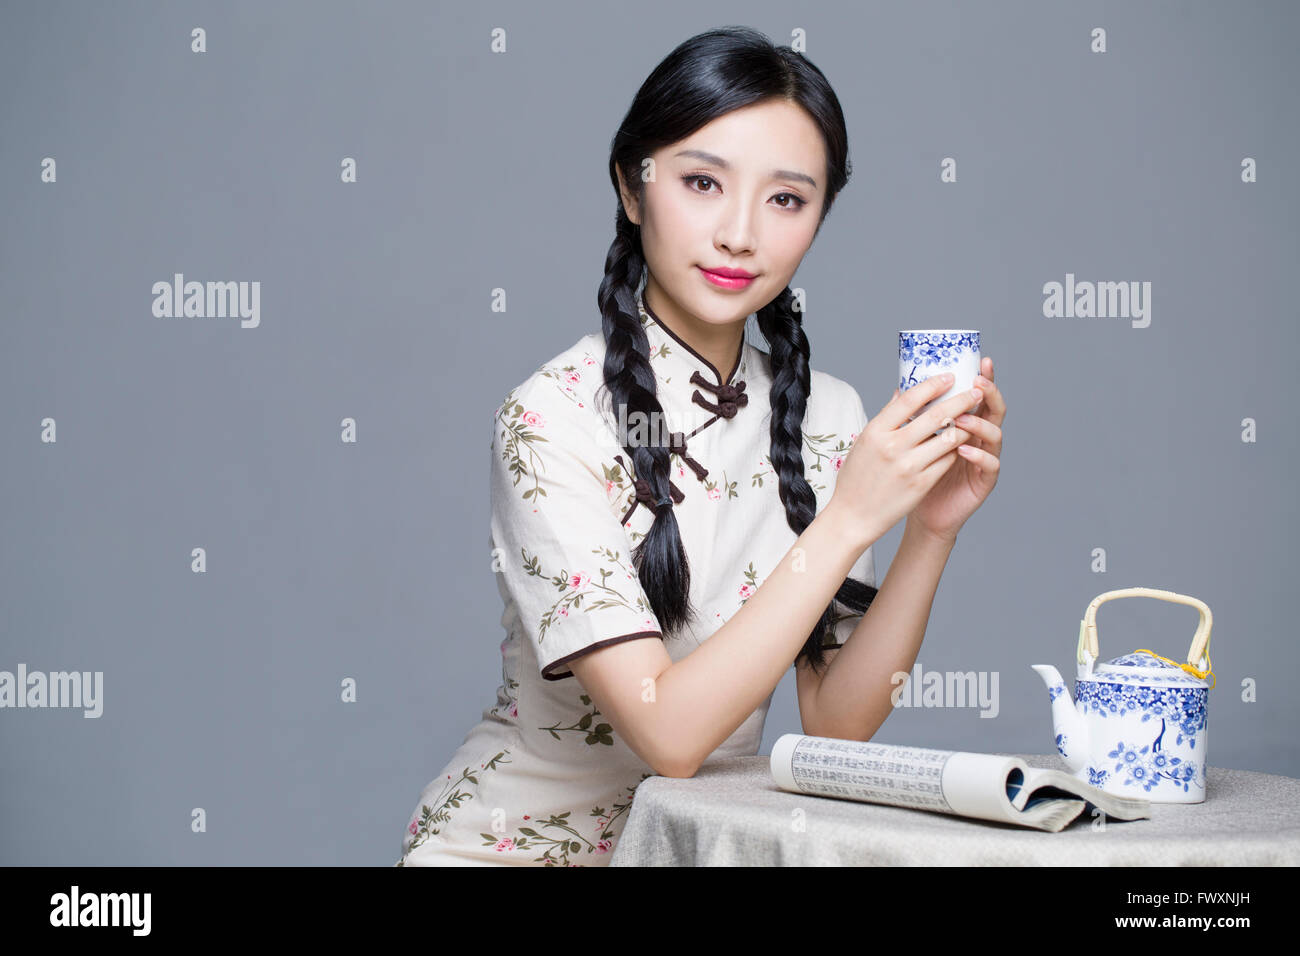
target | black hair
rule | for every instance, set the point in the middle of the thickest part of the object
(707, 76)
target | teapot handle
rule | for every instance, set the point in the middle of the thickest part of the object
(1200, 640)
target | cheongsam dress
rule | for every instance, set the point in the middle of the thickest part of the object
(543, 779)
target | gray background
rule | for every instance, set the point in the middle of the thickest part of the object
(476, 171)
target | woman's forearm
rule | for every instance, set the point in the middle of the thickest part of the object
(853, 699)
(710, 692)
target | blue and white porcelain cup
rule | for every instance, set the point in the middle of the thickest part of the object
(926, 352)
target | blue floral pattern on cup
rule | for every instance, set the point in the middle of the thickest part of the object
(932, 351)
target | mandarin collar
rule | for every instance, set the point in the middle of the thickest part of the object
(689, 374)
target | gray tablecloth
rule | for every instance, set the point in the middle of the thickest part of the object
(732, 814)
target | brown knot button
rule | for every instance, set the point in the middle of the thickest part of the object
(731, 398)
(677, 444)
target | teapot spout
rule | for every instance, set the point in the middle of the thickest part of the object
(1068, 725)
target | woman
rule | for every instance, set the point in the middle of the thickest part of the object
(677, 515)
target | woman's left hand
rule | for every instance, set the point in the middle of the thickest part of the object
(972, 476)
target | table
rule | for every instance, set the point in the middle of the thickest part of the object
(732, 814)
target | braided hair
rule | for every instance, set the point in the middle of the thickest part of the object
(705, 77)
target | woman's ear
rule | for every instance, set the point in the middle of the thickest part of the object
(631, 207)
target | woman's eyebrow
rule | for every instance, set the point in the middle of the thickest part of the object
(721, 163)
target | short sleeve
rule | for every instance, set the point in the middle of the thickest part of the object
(562, 553)
(864, 569)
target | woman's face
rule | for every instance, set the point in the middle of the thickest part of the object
(744, 192)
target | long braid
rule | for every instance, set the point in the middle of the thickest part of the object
(660, 557)
(791, 382)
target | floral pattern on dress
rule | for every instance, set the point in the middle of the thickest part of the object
(567, 378)
(580, 592)
(522, 427)
(566, 839)
(675, 461)
(618, 484)
(744, 591)
(434, 815)
(520, 436)
(601, 733)
(714, 490)
(824, 453)
(657, 352)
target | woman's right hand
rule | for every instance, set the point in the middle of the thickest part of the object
(893, 462)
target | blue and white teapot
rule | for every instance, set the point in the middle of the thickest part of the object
(1137, 724)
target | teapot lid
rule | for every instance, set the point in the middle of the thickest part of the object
(1145, 667)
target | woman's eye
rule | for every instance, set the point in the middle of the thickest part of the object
(793, 201)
